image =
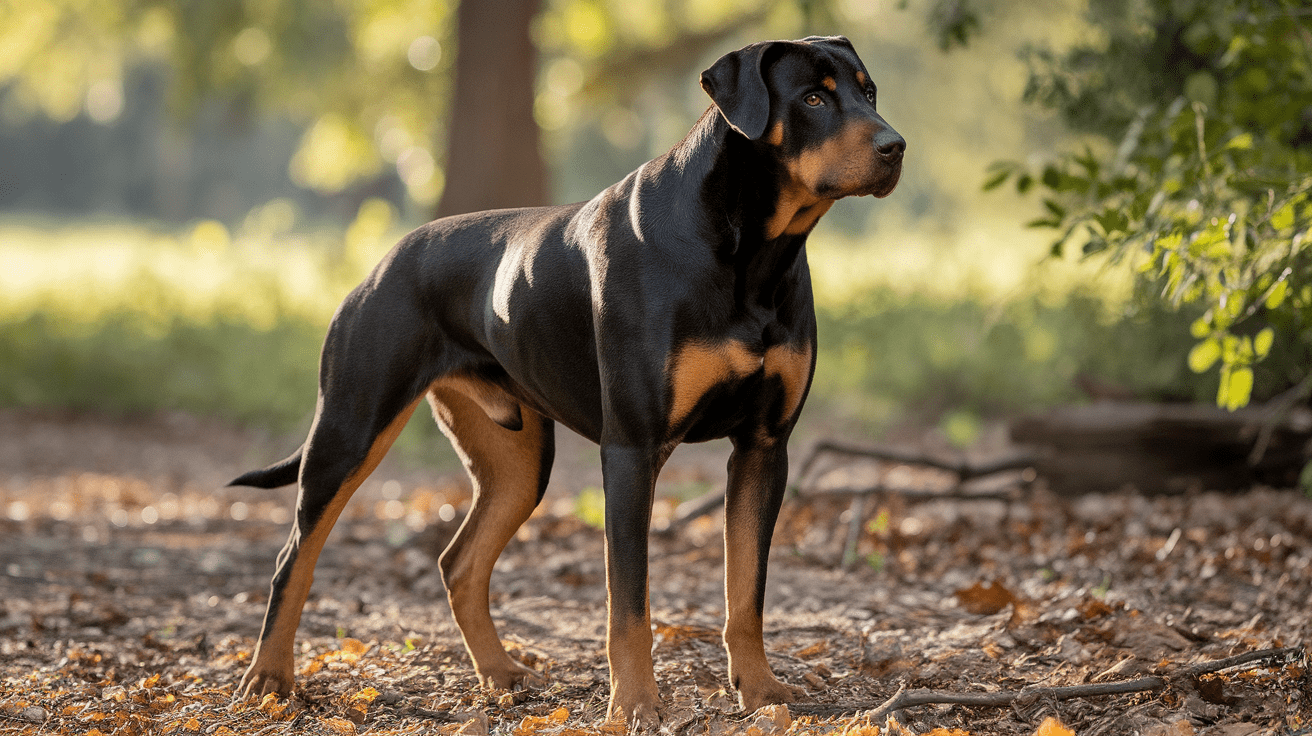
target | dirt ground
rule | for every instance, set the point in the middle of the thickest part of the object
(132, 586)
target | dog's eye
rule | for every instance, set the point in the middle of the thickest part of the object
(814, 100)
(870, 96)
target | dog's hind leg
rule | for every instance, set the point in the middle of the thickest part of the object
(509, 470)
(369, 384)
(337, 460)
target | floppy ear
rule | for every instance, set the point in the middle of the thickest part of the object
(737, 88)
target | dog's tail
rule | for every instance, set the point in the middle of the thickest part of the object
(282, 473)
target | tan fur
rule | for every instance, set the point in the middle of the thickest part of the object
(794, 367)
(749, 671)
(696, 368)
(504, 467)
(500, 406)
(776, 136)
(830, 83)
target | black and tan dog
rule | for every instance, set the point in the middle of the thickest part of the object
(673, 307)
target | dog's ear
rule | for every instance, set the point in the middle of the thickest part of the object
(737, 88)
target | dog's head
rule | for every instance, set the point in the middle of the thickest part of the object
(810, 104)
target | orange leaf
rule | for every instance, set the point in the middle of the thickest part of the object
(1052, 727)
(366, 695)
(192, 725)
(559, 715)
(948, 732)
(985, 600)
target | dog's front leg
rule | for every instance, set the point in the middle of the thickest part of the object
(629, 477)
(758, 474)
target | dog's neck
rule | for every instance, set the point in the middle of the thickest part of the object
(722, 173)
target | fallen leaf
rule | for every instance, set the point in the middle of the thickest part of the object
(367, 695)
(985, 599)
(815, 650)
(772, 719)
(1052, 727)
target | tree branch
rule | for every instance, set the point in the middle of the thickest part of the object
(904, 698)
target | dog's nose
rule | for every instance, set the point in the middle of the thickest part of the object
(890, 144)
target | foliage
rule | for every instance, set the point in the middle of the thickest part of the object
(954, 361)
(365, 77)
(1208, 190)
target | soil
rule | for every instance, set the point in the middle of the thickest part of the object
(132, 585)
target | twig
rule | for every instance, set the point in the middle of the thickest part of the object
(963, 467)
(904, 698)
(1277, 411)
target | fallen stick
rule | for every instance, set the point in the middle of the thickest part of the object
(904, 698)
(964, 468)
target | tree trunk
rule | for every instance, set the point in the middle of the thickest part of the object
(493, 154)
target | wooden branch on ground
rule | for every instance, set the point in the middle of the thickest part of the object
(904, 698)
(965, 468)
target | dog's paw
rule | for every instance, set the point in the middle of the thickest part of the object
(767, 691)
(260, 680)
(640, 712)
(510, 676)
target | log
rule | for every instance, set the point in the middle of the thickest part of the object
(1165, 448)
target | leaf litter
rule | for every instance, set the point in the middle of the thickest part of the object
(113, 624)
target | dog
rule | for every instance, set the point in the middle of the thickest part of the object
(675, 306)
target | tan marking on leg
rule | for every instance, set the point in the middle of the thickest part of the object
(749, 670)
(505, 468)
(793, 366)
(633, 694)
(272, 660)
(696, 368)
(499, 406)
(829, 83)
(776, 136)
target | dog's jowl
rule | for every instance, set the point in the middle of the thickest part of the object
(675, 306)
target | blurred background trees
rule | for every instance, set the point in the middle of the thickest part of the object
(187, 190)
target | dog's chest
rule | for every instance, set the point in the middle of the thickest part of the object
(700, 369)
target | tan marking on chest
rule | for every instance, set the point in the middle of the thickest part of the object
(793, 367)
(697, 367)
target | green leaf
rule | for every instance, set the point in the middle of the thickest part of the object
(1044, 222)
(1278, 294)
(1262, 342)
(1283, 217)
(1204, 355)
(1236, 388)
(1243, 142)
(995, 180)
(1057, 210)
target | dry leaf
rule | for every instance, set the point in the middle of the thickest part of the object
(1052, 727)
(367, 695)
(948, 732)
(985, 599)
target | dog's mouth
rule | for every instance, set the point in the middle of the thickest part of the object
(888, 182)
